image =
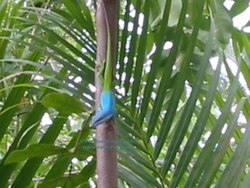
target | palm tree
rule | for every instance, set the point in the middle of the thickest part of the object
(181, 84)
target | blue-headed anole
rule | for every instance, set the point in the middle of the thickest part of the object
(107, 99)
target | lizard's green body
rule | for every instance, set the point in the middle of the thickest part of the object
(107, 110)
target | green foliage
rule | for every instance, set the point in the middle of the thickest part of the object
(182, 88)
(35, 150)
(59, 101)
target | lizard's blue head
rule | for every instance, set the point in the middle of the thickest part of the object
(107, 110)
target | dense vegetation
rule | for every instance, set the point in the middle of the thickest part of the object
(182, 87)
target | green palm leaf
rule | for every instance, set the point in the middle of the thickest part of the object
(182, 90)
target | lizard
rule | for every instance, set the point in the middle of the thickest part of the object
(107, 98)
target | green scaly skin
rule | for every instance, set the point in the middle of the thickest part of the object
(107, 110)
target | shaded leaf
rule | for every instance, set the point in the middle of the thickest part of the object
(63, 103)
(35, 150)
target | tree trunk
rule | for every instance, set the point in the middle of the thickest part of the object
(106, 133)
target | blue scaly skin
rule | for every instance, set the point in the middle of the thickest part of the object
(107, 109)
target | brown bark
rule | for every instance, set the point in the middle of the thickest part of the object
(106, 133)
